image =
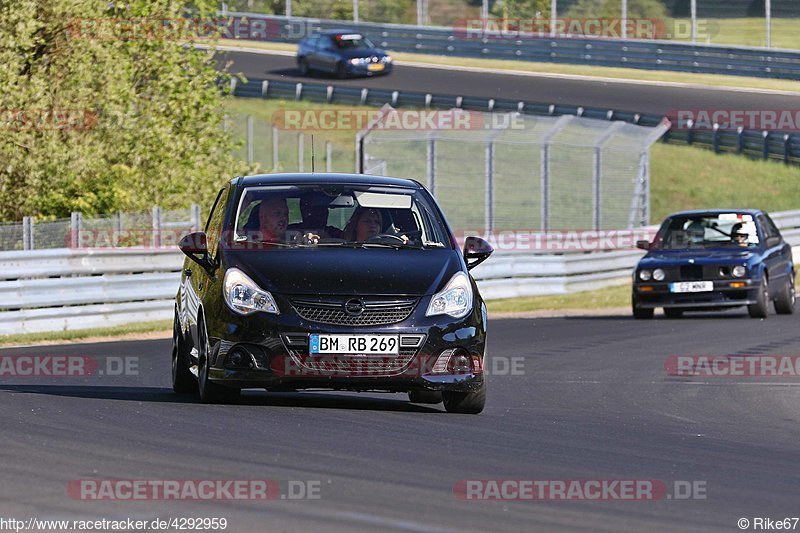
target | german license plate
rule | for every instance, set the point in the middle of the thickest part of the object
(375, 67)
(692, 286)
(354, 344)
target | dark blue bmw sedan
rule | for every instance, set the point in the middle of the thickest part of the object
(341, 53)
(709, 260)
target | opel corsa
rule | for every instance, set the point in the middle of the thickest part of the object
(331, 282)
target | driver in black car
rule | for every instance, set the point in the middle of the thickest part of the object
(315, 220)
(365, 224)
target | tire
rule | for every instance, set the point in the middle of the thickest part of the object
(341, 70)
(784, 303)
(183, 380)
(209, 391)
(673, 313)
(424, 396)
(641, 313)
(760, 309)
(470, 403)
(302, 65)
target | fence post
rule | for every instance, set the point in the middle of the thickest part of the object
(76, 221)
(740, 139)
(249, 139)
(765, 134)
(768, 14)
(624, 19)
(195, 214)
(328, 156)
(489, 193)
(27, 233)
(787, 151)
(275, 160)
(155, 241)
(300, 149)
(715, 138)
(431, 165)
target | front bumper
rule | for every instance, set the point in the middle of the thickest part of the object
(364, 70)
(275, 356)
(650, 295)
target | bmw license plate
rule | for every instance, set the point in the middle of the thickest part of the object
(375, 67)
(354, 344)
(692, 286)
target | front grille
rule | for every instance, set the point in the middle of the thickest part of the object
(354, 365)
(358, 366)
(375, 312)
(692, 272)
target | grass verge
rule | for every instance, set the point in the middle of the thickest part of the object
(610, 297)
(494, 65)
(83, 334)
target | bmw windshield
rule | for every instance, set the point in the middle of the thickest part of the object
(338, 216)
(707, 231)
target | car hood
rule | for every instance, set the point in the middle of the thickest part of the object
(701, 257)
(373, 271)
(362, 52)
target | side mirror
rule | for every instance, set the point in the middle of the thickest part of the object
(477, 250)
(643, 245)
(195, 246)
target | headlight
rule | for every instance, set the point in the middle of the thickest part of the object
(455, 300)
(244, 296)
(645, 275)
(739, 271)
(359, 60)
(658, 274)
(386, 59)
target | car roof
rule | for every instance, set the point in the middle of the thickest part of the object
(700, 212)
(336, 32)
(323, 179)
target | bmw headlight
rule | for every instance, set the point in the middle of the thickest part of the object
(244, 296)
(645, 275)
(386, 59)
(359, 60)
(659, 274)
(455, 300)
(739, 271)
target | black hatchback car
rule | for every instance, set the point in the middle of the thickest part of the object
(334, 282)
(341, 53)
(708, 260)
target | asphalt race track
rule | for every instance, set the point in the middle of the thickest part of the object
(641, 98)
(590, 399)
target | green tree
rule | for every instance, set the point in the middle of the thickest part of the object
(152, 129)
(521, 9)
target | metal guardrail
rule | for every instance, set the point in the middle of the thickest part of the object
(66, 289)
(764, 144)
(628, 53)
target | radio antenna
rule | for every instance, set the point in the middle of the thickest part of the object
(312, 153)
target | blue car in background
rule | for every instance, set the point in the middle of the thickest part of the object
(341, 53)
(709, 260)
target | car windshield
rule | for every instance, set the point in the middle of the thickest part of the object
(352, 41)
(707, 231)
(331, 216)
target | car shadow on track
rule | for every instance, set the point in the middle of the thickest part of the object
(248, 398)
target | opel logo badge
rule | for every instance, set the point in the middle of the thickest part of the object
(354, 307)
